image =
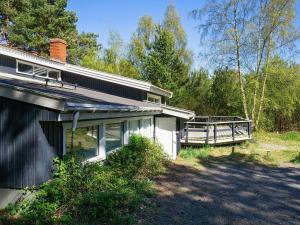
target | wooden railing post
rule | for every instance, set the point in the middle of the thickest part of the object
(233, 131)
(249, 129)
(215, 133)
(207, 133)
(186, 132)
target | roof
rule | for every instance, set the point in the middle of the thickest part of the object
(113, 78)
(70, 99)
(67, 99)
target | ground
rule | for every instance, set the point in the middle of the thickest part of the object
(217, 187)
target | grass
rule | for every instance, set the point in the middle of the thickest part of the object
(271, 149)
(290, 136)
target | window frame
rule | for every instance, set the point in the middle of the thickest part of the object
(155, 97)
(33, 70)
(122, 137)
(65, 151)
(101, 123)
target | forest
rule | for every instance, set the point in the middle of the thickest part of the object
(250, 47)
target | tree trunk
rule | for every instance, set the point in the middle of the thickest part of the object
(263, 90)
(237, 45)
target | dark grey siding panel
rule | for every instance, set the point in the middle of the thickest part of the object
(7, 61)
(7, 64)
(106, 87)
(27, 143)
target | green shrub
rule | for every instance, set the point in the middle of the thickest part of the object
(93, 193)
(141, 158)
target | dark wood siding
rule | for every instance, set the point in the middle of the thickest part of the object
(7, 64)
(29, 139)
(106, 87)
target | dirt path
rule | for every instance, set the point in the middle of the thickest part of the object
(226, 192)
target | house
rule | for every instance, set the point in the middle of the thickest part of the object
(49, 107)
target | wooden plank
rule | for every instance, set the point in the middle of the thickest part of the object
(233, 131)
(215, 133)
(186, 132)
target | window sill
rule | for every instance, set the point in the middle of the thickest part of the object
(94, 159)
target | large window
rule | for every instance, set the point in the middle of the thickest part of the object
(147, 128)
(133, 127)
(113, 136)
(85, 142)
(35, 70)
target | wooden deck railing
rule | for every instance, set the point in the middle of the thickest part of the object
(214, 130)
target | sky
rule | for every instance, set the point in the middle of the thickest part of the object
(122, 16)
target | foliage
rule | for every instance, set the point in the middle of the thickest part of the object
(112, 59)
(43, 20)
(159, 53)
(93, 193)
(244, 36)
(141, 158)
(291, 136)
(225, 97)
(189, 153)
(269, 149)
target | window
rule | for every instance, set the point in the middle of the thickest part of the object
(53, 74)
(85, 142)
(154, 98)
(133, 127)
(35, 70)
(147, 128)
(25, 68)
(113, 136)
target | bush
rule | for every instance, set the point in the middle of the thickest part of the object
(141, 158)
(93, 193)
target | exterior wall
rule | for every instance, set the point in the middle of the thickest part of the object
(29, 139)
(8, 65)
(104, 86)
(102, 127)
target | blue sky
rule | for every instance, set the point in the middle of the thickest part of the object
(122, 16)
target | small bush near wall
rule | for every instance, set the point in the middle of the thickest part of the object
(93, 193)
(141, 158)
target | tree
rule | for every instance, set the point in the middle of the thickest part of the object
(277, 32)
(282, 98)
(8, 10)
(225, 97)
(198, 93)
(31, 24)
(159, 52)
(112, 59)
(243, 35)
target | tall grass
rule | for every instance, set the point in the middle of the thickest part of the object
(291, 136)
(189, 153)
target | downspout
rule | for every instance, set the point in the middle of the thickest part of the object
(74, 125)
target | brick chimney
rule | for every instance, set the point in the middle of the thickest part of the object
(58, 50)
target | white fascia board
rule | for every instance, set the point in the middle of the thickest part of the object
(177, 114)
(31, 97)
(22, 55)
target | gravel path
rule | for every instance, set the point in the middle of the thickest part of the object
(226, 192)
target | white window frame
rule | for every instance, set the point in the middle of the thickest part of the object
(102, 154)
(122, 138)
(156, 97)
(35, 65)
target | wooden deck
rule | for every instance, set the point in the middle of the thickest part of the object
(216, 131)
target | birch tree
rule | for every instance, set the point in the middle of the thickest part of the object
(244, 35)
